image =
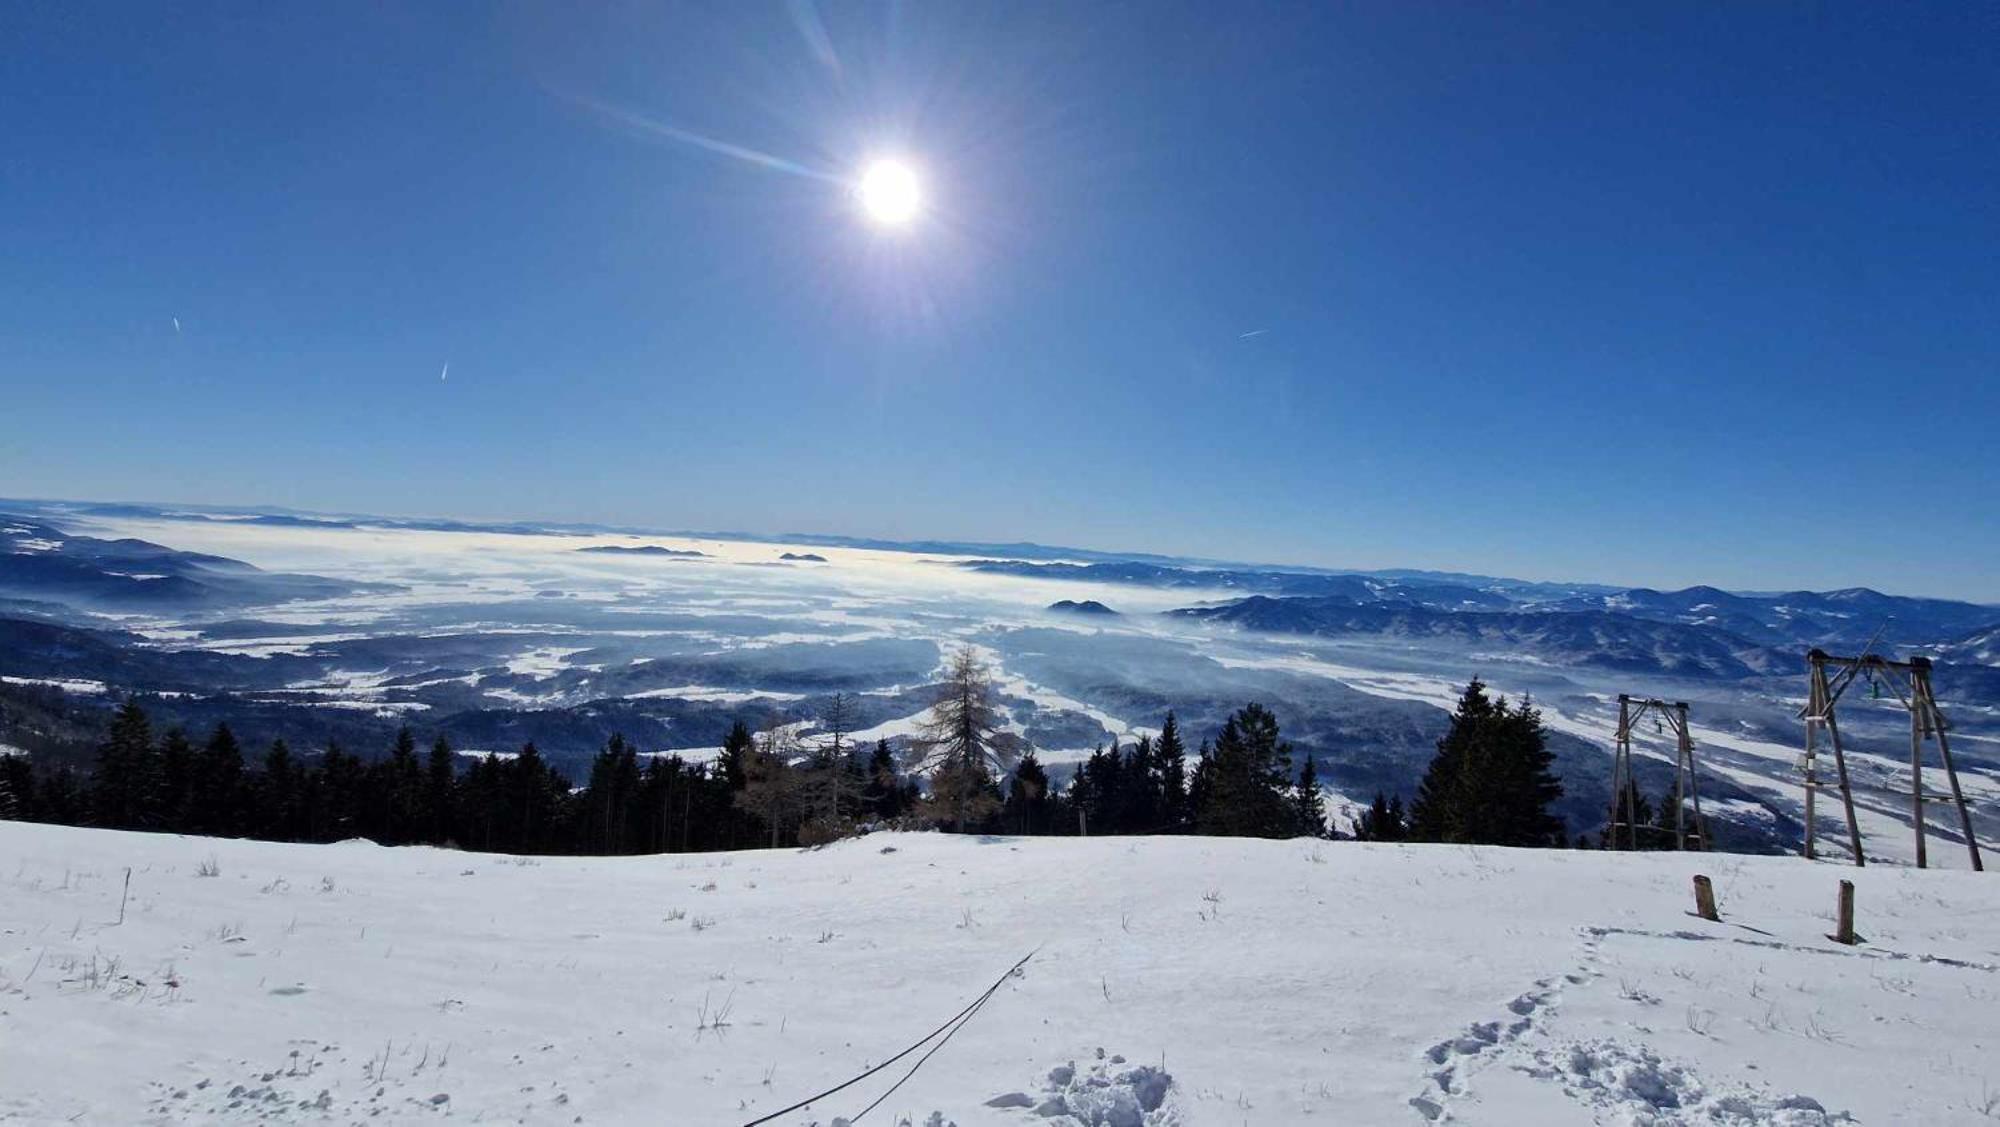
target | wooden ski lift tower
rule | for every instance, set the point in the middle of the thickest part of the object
(1910, 681)
(1630, 711)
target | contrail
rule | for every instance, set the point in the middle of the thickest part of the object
(1251, 333)
(177, 326)
(446, 374)
(805, 17)
(687, 137)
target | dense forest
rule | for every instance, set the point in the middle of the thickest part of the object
(1490, 782)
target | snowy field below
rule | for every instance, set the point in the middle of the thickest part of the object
(1173, 981)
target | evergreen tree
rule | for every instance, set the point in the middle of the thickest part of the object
(1247, 790)
(1141, 809)
(1491, 780)
(1101, 793)
(1382, 821)
(278, 797)
(217, 792)
(609, 800)
(1308, 804)
(17, 782)
(61, 798)
(1031, 805)
(125, 792)
(179, 811)
(402, 784)
(882, 795)
(440, 773)
(1198, 785)
(1170, 753)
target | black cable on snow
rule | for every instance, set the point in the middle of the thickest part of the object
(954, 1023)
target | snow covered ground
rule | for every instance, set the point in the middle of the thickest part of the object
(1173, 980)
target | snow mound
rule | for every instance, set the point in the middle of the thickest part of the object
(1635, 1085)
(1104, 1093)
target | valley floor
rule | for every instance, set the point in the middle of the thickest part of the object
(1273, 982)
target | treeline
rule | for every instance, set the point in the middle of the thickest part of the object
(1490, 782)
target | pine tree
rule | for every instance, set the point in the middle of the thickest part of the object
(1101, 795)
(402, 779)
(1491, 781)
(179, 801)
(126, 790)
(1142, 808)
(1170, 753)
(1248, 788)
(1308, 804)
(440, 772)
(279, 797)
(61, 798)
(1030, 804)
(1382, 821)
(17, 782)
(882, 795)
(217, 798)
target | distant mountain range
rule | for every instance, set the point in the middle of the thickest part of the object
(645, 550)
(1594, 638)
(1716, 622)
(42, 563)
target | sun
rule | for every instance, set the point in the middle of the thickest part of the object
(889, 193)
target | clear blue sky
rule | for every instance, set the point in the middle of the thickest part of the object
(1584, 292)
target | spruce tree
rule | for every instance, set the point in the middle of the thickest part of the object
(1248, 789)
(1382, 821)
(125, 792)
(16, 788)
(1028, 807)
(1171, 755)
(1307, 802)
(440, 772)
(218, 785)
(1491, 780)
(882, 795)
(179, 799)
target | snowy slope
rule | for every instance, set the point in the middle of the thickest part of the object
(1274, 982)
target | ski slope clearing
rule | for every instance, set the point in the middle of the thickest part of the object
(1173, 981)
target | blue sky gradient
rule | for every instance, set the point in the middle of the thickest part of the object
(1684, 294)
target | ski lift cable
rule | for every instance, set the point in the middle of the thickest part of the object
(953, 1024)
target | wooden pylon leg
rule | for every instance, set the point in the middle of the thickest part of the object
(1694, 785)
(1812, 786)
(1680, 797)
(1917, 781)
(1846, 792)
(1951, 773)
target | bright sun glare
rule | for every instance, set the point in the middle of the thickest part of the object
(889, 193)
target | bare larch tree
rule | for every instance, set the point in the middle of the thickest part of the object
(960, 746)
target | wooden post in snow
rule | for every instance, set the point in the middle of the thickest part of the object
(1845, 924)
(1704, 899)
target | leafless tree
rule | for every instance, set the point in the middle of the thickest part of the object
(960, 746)
(771, 779)
(831, 785)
